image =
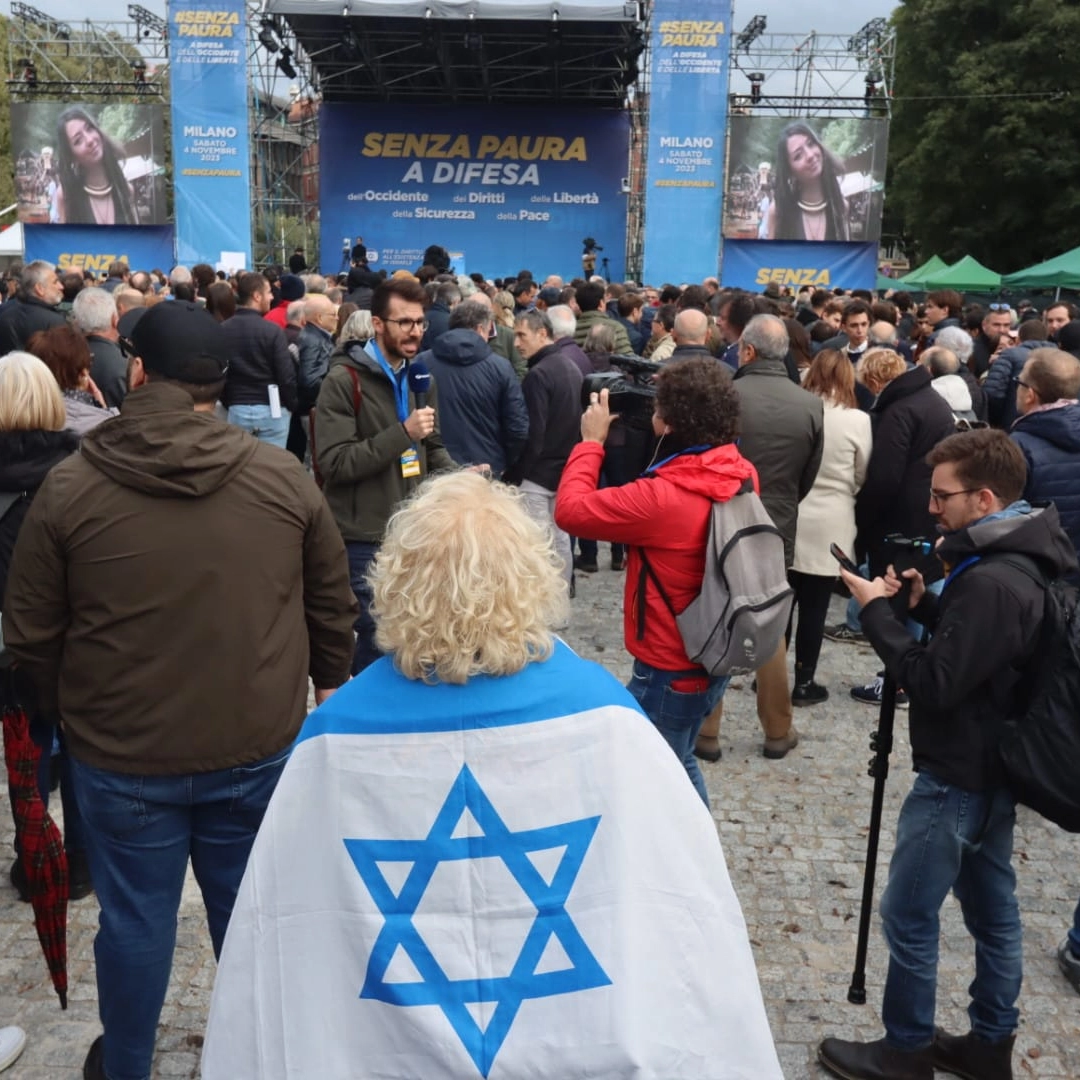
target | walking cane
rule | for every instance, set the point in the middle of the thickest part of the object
(881, 742)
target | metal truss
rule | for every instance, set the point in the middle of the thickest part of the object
(285, 141)
(815, 74)
(54, 60)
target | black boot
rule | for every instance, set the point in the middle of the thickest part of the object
(973, 1058)
(94, 1065)
(79, 884)
(875, 1061)
(807, 692)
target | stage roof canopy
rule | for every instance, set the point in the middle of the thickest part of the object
(573, 52)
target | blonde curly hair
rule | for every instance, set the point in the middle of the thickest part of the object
(466, 583)
(878, 367)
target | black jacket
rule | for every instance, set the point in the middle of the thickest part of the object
(910, 418)
(25, 460)
(552, 390)
(482, 413)
(980, 354)
(783, 435)
(21, 318)
(963, 684)
(438, 317)
(979, 404)
(315, 346)
(259, 357)
(109, 369)
(999, 389)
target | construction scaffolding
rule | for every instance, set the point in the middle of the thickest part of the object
(284, 141)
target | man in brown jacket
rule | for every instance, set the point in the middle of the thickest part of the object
(172, 589)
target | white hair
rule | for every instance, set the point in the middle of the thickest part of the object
(93, 310)
(563, 320)
(180, 275)
(957, 340)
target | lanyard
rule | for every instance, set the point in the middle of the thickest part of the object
(689, 450)
(400, 382)
(958, 569)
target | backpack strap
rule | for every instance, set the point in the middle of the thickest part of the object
(356, 398)
(647, 572)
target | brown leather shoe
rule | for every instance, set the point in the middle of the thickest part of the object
(973, 1058)
(875, 1061)
(775, 749)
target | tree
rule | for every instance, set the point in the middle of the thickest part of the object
(985, 141)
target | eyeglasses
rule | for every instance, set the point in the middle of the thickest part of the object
(409, 325)
(999, 307)
(1025, 385)
(941, 497)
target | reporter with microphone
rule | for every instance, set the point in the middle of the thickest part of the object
(375, 436)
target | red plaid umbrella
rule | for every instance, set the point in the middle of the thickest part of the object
(41, 848)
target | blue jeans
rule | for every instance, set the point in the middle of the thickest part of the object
(361, 556)
(257, 420)
(948, 838)
(678, 716)
(140, 832)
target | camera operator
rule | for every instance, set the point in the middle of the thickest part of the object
(666, 512)
(955, 830)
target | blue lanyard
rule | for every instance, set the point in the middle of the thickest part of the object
(958, 569)
(400, 383)
(679, 453)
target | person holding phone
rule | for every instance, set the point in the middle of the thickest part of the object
(827, 514)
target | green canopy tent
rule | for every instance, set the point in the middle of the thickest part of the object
(931, 266)
(1062, 272)
(885, 283)
(967, 275)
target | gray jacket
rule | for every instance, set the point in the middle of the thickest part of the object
(782, 434)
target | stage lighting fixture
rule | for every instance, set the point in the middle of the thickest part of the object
(284, 64)
(630, 11)
(267, 37)
(146, 22)
(868, 38)
(350, 46)
(757, 78)
(751, 32)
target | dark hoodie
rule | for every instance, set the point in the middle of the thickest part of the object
(985, 628)
(1050, 439)
(482, 414)
(173, 587)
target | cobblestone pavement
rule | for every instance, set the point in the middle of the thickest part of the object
(794, 835)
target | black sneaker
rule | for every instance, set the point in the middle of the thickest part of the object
(809, 693)
(586, 566)
(1069, 963)
(870, 694)
(843, 633)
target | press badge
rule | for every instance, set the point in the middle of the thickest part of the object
(410, 462)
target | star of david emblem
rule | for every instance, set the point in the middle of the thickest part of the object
(455, 837)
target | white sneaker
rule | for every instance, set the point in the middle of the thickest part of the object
(12, 1044)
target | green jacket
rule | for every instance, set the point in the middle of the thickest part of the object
(588, 319)
(503, 344)
(358, 453)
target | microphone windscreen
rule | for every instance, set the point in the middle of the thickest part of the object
(419, 377)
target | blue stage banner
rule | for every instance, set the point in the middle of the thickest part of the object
(753, 264)
(514, 188)
(684, 166)
(211, 155)
(93, 247)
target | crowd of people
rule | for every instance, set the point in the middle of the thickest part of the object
(170, 441)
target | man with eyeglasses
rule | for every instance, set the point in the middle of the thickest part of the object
(372, 442)
(992, 338)
(955, 830)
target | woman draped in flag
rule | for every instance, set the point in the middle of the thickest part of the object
(481, 860)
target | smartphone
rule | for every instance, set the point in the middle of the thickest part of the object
(838, 554)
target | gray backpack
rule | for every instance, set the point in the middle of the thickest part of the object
(737, 621)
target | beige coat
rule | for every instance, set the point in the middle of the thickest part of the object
(827, 514)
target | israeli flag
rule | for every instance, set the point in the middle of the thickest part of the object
(509, 879)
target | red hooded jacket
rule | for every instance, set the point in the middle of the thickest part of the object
(667, 512)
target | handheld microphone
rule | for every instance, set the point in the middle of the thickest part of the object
(419, 382)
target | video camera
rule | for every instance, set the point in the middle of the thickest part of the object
(631, 390)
